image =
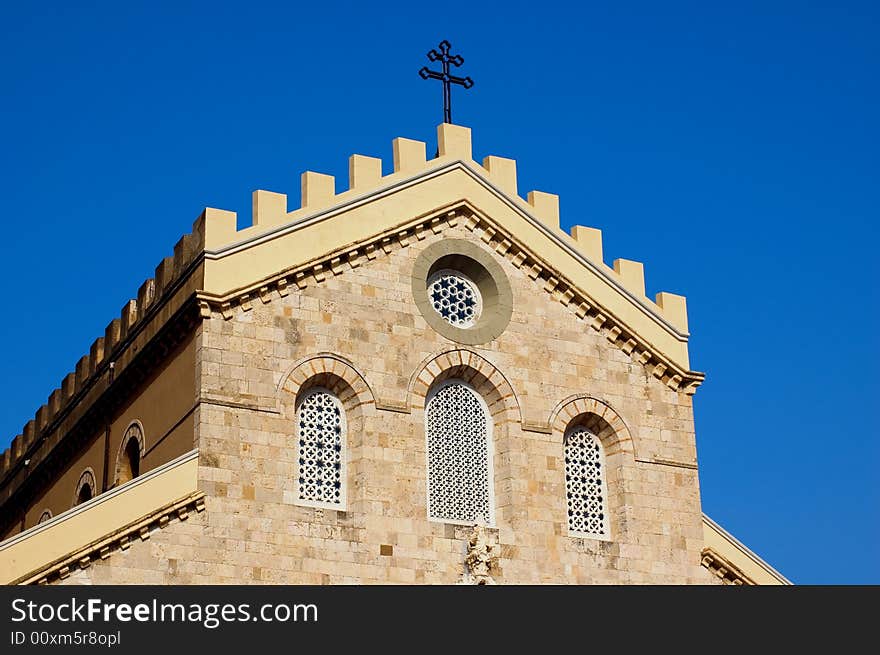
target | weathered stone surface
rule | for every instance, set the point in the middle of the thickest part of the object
(361, 330)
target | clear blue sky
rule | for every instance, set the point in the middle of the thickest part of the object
(733, 149)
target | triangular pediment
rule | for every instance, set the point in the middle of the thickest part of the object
(334, 232)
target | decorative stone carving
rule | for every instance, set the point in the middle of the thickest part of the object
(454, 297)
(481, 558)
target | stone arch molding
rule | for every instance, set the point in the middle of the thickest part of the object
(325, 370)
(474, 369)
(617, 439)
(86, 477)
(134, 429)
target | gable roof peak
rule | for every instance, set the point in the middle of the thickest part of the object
(217, 229)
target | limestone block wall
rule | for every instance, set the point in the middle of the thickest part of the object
(360, 333)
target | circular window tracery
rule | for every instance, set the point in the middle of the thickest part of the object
(461, 291)
(455, 297)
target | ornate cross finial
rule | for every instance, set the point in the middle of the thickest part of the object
(445, 59)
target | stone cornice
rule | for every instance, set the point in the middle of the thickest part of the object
(103, 523)
(341, 208)
(119, 540)
(732, 561)
(437, 169)
(727, 572)
(461, 213)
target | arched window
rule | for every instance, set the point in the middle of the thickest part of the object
(459, 435)
(85, 493)
(45, 516)
(585, 483)
(320, 426)
(85, 487)
(128, 461)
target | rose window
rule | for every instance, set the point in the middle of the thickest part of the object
(455, 297)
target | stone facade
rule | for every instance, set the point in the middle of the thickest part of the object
(360, 334)
(208, 365)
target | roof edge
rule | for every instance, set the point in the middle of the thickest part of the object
(738, 553)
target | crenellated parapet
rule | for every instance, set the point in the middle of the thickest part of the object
(318, 191)
(95, 366)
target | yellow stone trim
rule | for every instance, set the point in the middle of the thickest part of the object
(118, 541)
(549, 280)
(105, 521)
(540, 209)
(367, 214)
(732, 561)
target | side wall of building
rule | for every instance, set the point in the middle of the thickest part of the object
(163, 405)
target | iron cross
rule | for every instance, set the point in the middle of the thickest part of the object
(445, 58)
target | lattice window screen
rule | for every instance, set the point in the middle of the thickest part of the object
(585, 484)
(320, 422)
(455, 298)
(459, 451)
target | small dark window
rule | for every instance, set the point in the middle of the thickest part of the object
(130, 464)
(133, 452)
(85, 488)
(128, 459)
(85, 494)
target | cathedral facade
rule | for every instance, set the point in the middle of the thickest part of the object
(421, 379)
